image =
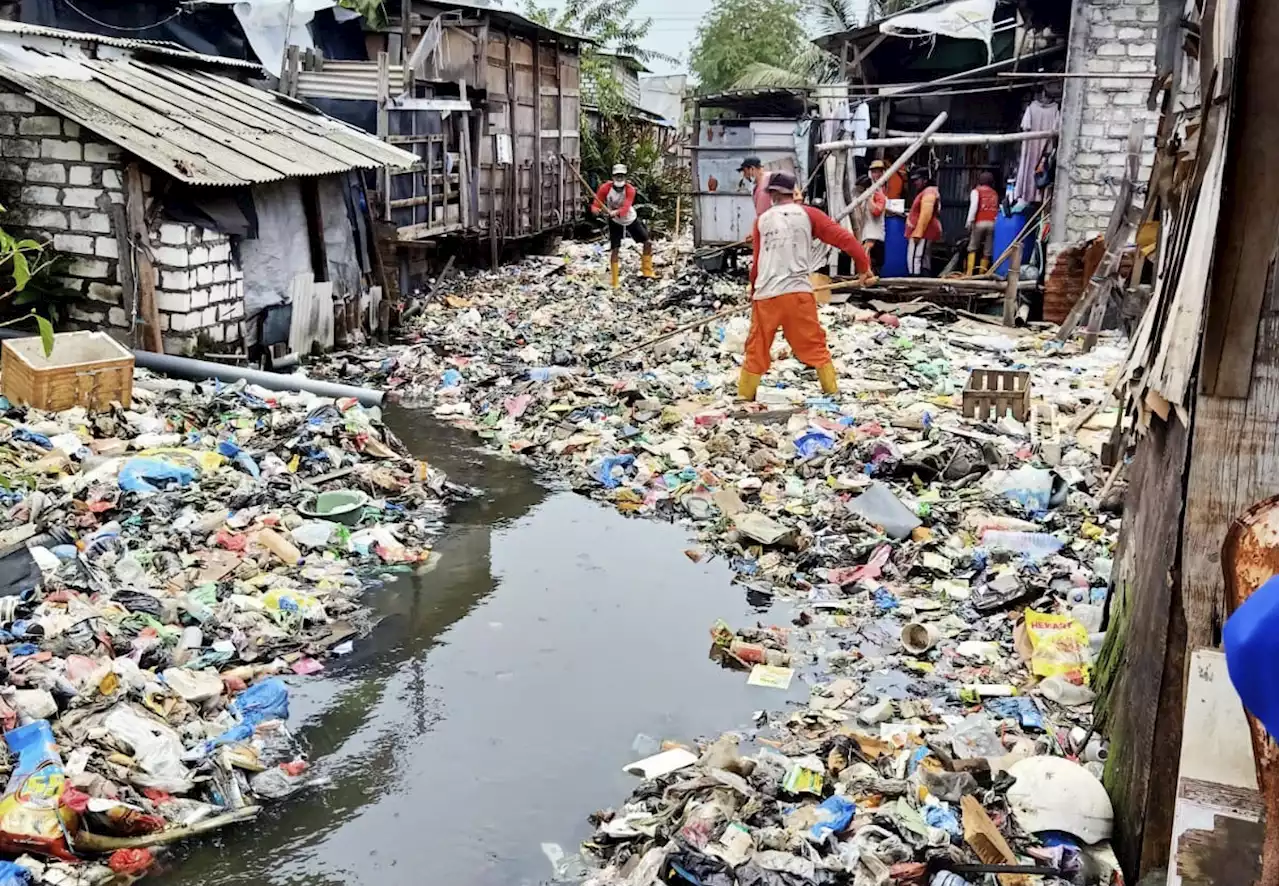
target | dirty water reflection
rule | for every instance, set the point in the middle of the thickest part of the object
(495, 704)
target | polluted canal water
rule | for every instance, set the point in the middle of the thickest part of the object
(494, 706)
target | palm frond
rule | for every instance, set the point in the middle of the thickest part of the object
(831, 16)
(759, 75)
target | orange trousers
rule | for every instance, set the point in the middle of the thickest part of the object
(797, 314)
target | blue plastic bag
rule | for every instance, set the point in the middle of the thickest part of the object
(14, 875)
(834, 814)
(268, 700)
(810, 444)
(141, 474)
(603, 471)
(943, 817)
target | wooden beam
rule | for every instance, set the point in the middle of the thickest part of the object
(135, 209)
(941, 138)
(1011, 287)
(1246, 239)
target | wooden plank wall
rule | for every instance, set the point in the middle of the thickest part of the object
(1147, 607)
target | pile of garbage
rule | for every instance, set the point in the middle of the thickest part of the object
(165, 569)
(948, 572)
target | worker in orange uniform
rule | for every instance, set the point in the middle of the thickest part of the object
(923, 227)
(781, 246)
(617, 197)
(872, 230)
(984, 203)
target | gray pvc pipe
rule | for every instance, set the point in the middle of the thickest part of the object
(199, 370)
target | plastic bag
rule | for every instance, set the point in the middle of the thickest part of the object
(156, 747)
(32, 818)
(144, 474)
(268, 700)
(834, 815)
(603, 470)
(1059, 647)
(814, 442)
(14, 874)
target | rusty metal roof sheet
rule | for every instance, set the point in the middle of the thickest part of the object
(198, 126)
(156, 47)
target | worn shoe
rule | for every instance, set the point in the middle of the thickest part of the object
(826, 378)
(646, 265)
(983, 265)
(748, 384)
(615, 271)
(968, 265)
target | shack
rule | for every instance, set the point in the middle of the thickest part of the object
(489, 102)
(1078, 74)
(181, 200)
(772, 124)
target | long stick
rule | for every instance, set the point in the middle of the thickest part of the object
(947, 138)
(897, 164)
(574, 170)
(672, 334)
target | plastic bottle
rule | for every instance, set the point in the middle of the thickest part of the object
(280, 546)
(756, 653)
(546, 373)
(975, 692)
(1033, 545)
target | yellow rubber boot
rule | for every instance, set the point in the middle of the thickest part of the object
(968, 265)
(646, 265)
(615, 271)
(748, 384)
(827, 378)
(983, 265)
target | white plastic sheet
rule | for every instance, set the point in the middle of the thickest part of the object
(963, 20)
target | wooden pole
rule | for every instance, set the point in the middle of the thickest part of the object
(135, 210)
(1011, 288)
(896, 165)
(946, 138)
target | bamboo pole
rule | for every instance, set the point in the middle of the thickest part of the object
(946, 138)
(896, 165)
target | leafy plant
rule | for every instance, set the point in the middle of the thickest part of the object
(737, 34)
(21, 261)
(373, 12)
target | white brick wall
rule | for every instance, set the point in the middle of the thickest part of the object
(68, 181)
(1108, 37)
(189, 260)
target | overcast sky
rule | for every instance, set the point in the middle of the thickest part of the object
(675, 25)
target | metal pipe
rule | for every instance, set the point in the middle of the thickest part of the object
(199, 370)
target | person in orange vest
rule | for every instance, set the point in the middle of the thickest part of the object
(617, 197)
(781, 292)
(984, 203)
(872, 230)
(923, 227)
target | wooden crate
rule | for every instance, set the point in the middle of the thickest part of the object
(989, 393)
(88, 369)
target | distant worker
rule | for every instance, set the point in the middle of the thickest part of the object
(872, 232)
(781, 292)
(923, 227)
(753, 172)
(618, 197)
(896, 187)
(984, 203)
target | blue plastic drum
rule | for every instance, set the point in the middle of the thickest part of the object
(895, 247)
(1007, 230)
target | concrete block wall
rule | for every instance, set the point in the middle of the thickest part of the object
(61, 184)
(200, 288)
(1107, 37)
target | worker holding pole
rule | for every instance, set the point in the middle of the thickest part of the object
(781, 292)
(617, 197)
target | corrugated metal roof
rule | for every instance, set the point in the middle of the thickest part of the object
(202, 128)
(157, 47)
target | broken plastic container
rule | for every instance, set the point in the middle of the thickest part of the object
(879, 506)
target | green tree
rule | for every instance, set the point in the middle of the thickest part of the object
(737, 34)
(810, 65)
(614, 32)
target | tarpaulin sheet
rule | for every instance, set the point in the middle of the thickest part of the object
(963, 20)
